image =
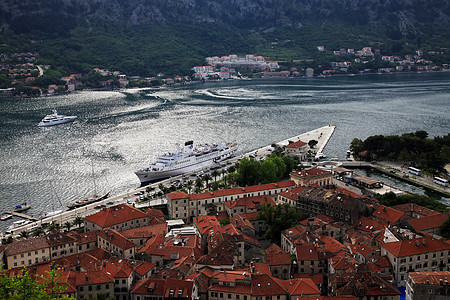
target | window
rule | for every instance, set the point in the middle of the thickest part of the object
(229, 296)
(90, 288)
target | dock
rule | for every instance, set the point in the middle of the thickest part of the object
(21, 215)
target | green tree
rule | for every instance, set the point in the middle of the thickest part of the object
(224, 222)
(248, 170)
(312, 143)
(78, 221)
(189, 185)
(38, 232)
(24, 234)
(268, 171)
(278, 218)
(215, 173)
(207, 178)
(281, 166)
(198, 185)
(445, 229)
(68, 225)
(26, 286)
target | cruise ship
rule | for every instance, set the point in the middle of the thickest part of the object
(189, 159)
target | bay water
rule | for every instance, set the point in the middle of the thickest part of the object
(117, 133)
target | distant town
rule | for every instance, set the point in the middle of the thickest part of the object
(23, 77)
(225, 241)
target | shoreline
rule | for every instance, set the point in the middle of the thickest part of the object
(231, 79)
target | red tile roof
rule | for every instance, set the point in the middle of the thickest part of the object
(415, 246)
(251, 203)
(316, 278)
(177, 195)
(276, 256)
(433, 278)
(242, 190)
(430, 222)
(116, 238)
(364, 250)
(410, 208)
(301, 287)
(114, 215)
(388, 214)
(145, 231)
(296, 144)
(367, 224)
(206, 224)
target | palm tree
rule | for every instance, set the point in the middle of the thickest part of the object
(54, 226)
(198, 185)
(78, 221)
(162, 188)
(67, 225)
(38, 232)
(215, 173)
(224, 173)
(189, 185)
(207, 178)
(24, 234)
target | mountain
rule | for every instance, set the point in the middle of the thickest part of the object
(144, 35)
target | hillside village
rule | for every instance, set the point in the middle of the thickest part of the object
(212, 245)
(22, 76)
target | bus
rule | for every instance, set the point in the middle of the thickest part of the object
(414, 171)
(440, 181)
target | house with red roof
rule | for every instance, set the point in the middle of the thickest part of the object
(311, 258)
(312, 176)
(290, 196)
(26, 252)
(338, 206)
(363, 252)
(118, 217)
(363, 285)
(429, 225)
(426, 285)
(151, 247)
(116, 243)
(301, 287)
(86, 241)
(279, 261)
(390, 215)
(380, 264)
(182, 205)
(90, 284)
(140, 235)
(297, 149)
(241, 222)
(343, 262)
(424, 254)
(170, 288)
(247, 204)
(415, 211)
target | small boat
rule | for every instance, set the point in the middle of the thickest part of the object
(55, 119)
(87, 200)
(52, 213)
(22, 207)
(5, 217)
(18, 224)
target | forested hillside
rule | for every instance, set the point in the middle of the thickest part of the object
(146, 36)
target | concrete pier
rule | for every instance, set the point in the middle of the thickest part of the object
(21, 215)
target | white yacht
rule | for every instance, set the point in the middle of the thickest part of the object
(55, 119)
(188, 159)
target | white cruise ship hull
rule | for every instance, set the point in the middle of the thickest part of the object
(196, 163)
(57, 122)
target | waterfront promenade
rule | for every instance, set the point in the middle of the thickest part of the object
(321, 135)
